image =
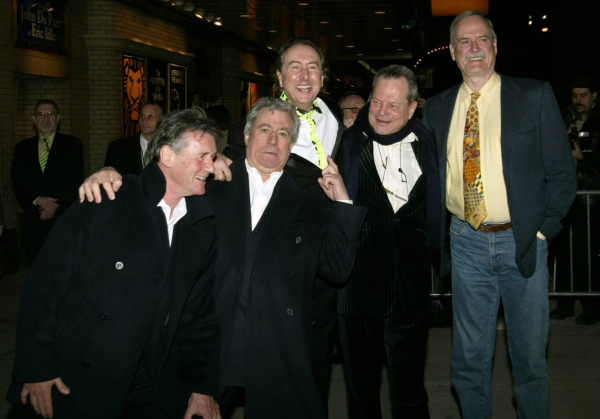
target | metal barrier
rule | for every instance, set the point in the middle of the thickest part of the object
(554, 293)
(572, 292)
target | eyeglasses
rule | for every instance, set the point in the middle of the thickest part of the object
(354, 109)
(49, 114)
(403, 179)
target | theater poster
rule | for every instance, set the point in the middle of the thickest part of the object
(177, 87)
(157, 82)
(134, 92)
(41, 25)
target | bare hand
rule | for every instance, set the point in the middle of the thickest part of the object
(40, 395)
(420, 102)
(202, 405)
(110, 180)
(577, 151)
(45, 215)
(47, 203)
(332, 183)
(348, 122)
(222, 171)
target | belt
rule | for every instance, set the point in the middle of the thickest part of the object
(492, 228)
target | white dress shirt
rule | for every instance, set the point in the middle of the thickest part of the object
(178, 212)
(144, 144)
(326, 128)
(260, 192)
(398, 169)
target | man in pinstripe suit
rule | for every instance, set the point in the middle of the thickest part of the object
(390, 167)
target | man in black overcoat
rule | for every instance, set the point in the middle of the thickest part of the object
(274, 239)
(46, 171)
(300, 73)
(114, 312)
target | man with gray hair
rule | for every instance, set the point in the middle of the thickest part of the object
(116, 320)
(274, 239)
(507, 178)
(390, 167)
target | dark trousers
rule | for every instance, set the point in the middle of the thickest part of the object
(401, 341)
(35, 232)
(325, 312)
(229, 399)
(142, 402)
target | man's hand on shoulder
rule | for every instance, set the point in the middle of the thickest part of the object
(202, 405)
(222, 171)
(40, 395)
(110, 180)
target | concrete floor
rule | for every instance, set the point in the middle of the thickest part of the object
(573, 363)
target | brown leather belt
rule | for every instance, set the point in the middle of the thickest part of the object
(492, 228)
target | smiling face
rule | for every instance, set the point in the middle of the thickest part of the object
(301, 76)
(46, 119)
(474, 49)
(269, 145)
(187, 171)
(389, 110)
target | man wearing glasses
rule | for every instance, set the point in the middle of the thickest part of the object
(46, 171)
(351, 103)
(390, 167)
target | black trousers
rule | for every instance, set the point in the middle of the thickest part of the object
(142, 402)
(400, 340)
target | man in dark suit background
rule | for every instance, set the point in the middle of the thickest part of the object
(507, 178)
(300, 71)
(390, 167)
(115, 315)
(46, 171)
(129, 155)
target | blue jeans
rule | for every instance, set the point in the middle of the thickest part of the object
(483, 272)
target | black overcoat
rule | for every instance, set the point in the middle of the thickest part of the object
(300, 241)
(91, 296)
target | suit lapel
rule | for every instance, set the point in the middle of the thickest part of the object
(282, 208)
(368, 163)
(510, 114)
(238, 222)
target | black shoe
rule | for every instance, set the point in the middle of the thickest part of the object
(337, 358)
(586, 319)
(561, 313)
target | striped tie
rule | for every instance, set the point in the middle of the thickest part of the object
(147, 157)
(44, 154)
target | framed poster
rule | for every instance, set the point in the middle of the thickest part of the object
(134, 92)
(41, 25)
(177, 87)
(157, 83)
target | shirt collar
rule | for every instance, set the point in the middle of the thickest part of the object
(487, 92)
(253, 174)
(178, 212)
(315, 106)
(50, 139)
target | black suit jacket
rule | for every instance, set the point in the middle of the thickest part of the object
(60, 179)
(537, 164)
(92, 293)
(125, 155)
(299, 241)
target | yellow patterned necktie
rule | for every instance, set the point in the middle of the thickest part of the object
(44, 153)
(321, 159)
(475, 211)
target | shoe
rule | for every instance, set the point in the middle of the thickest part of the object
(586, 319)
(561, 313)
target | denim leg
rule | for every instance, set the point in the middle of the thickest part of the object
(526, 311)
(475, 301)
